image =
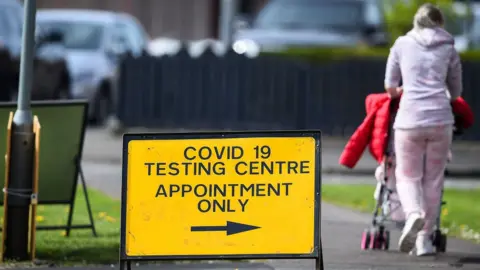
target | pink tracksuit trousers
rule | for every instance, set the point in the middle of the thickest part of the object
(421, 158)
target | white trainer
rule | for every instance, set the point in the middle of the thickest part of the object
(424, 246)
(408, 238)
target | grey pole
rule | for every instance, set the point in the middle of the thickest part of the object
(228, 10)
(22, 150)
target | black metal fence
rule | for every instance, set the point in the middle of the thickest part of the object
(269, 92)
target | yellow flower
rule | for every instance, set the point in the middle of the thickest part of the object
(102, 214)
(444, 212)
(63, 233)
(110, 219)
(39, 218)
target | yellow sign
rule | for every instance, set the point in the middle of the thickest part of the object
(223, 194)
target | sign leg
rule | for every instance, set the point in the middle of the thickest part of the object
(85, 193)
(319, 259)
(129, 265)
(70, 217)
(319, 264)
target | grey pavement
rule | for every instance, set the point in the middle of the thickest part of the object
(102, 147)
(341, 228)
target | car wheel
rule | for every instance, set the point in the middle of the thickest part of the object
(102, 108)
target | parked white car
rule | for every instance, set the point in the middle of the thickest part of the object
(94, 41)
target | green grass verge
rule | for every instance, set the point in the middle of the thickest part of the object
(460, 217)
(81, 247)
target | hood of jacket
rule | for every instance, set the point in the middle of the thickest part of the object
(431, 37)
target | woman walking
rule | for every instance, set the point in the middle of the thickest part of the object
(426, 61)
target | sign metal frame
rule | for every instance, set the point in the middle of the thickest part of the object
(317, 254)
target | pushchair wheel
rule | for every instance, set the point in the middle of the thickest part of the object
(377, 239)
(365, 244)
(386, 240)
(440, 241)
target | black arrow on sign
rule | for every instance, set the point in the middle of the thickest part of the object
(231, 228)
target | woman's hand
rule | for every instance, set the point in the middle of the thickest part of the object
(399, 90)
(394, 92)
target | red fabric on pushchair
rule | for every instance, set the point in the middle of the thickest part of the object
(463, 114)
(373, 132)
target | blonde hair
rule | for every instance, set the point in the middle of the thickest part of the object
(428, 16)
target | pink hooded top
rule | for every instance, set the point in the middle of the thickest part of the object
(429, 66)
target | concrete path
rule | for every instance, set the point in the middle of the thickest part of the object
(341, 228)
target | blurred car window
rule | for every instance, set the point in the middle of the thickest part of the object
(78, 35)
(17, 17)
(136, 35)
(11, 20)
(346, 15)
(373, 13)
(475, 33)
(4, 24)
(121, 37)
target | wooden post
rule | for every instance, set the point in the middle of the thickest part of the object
(34, 201)
(7, 174)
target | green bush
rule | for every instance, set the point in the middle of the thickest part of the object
(399, 16)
